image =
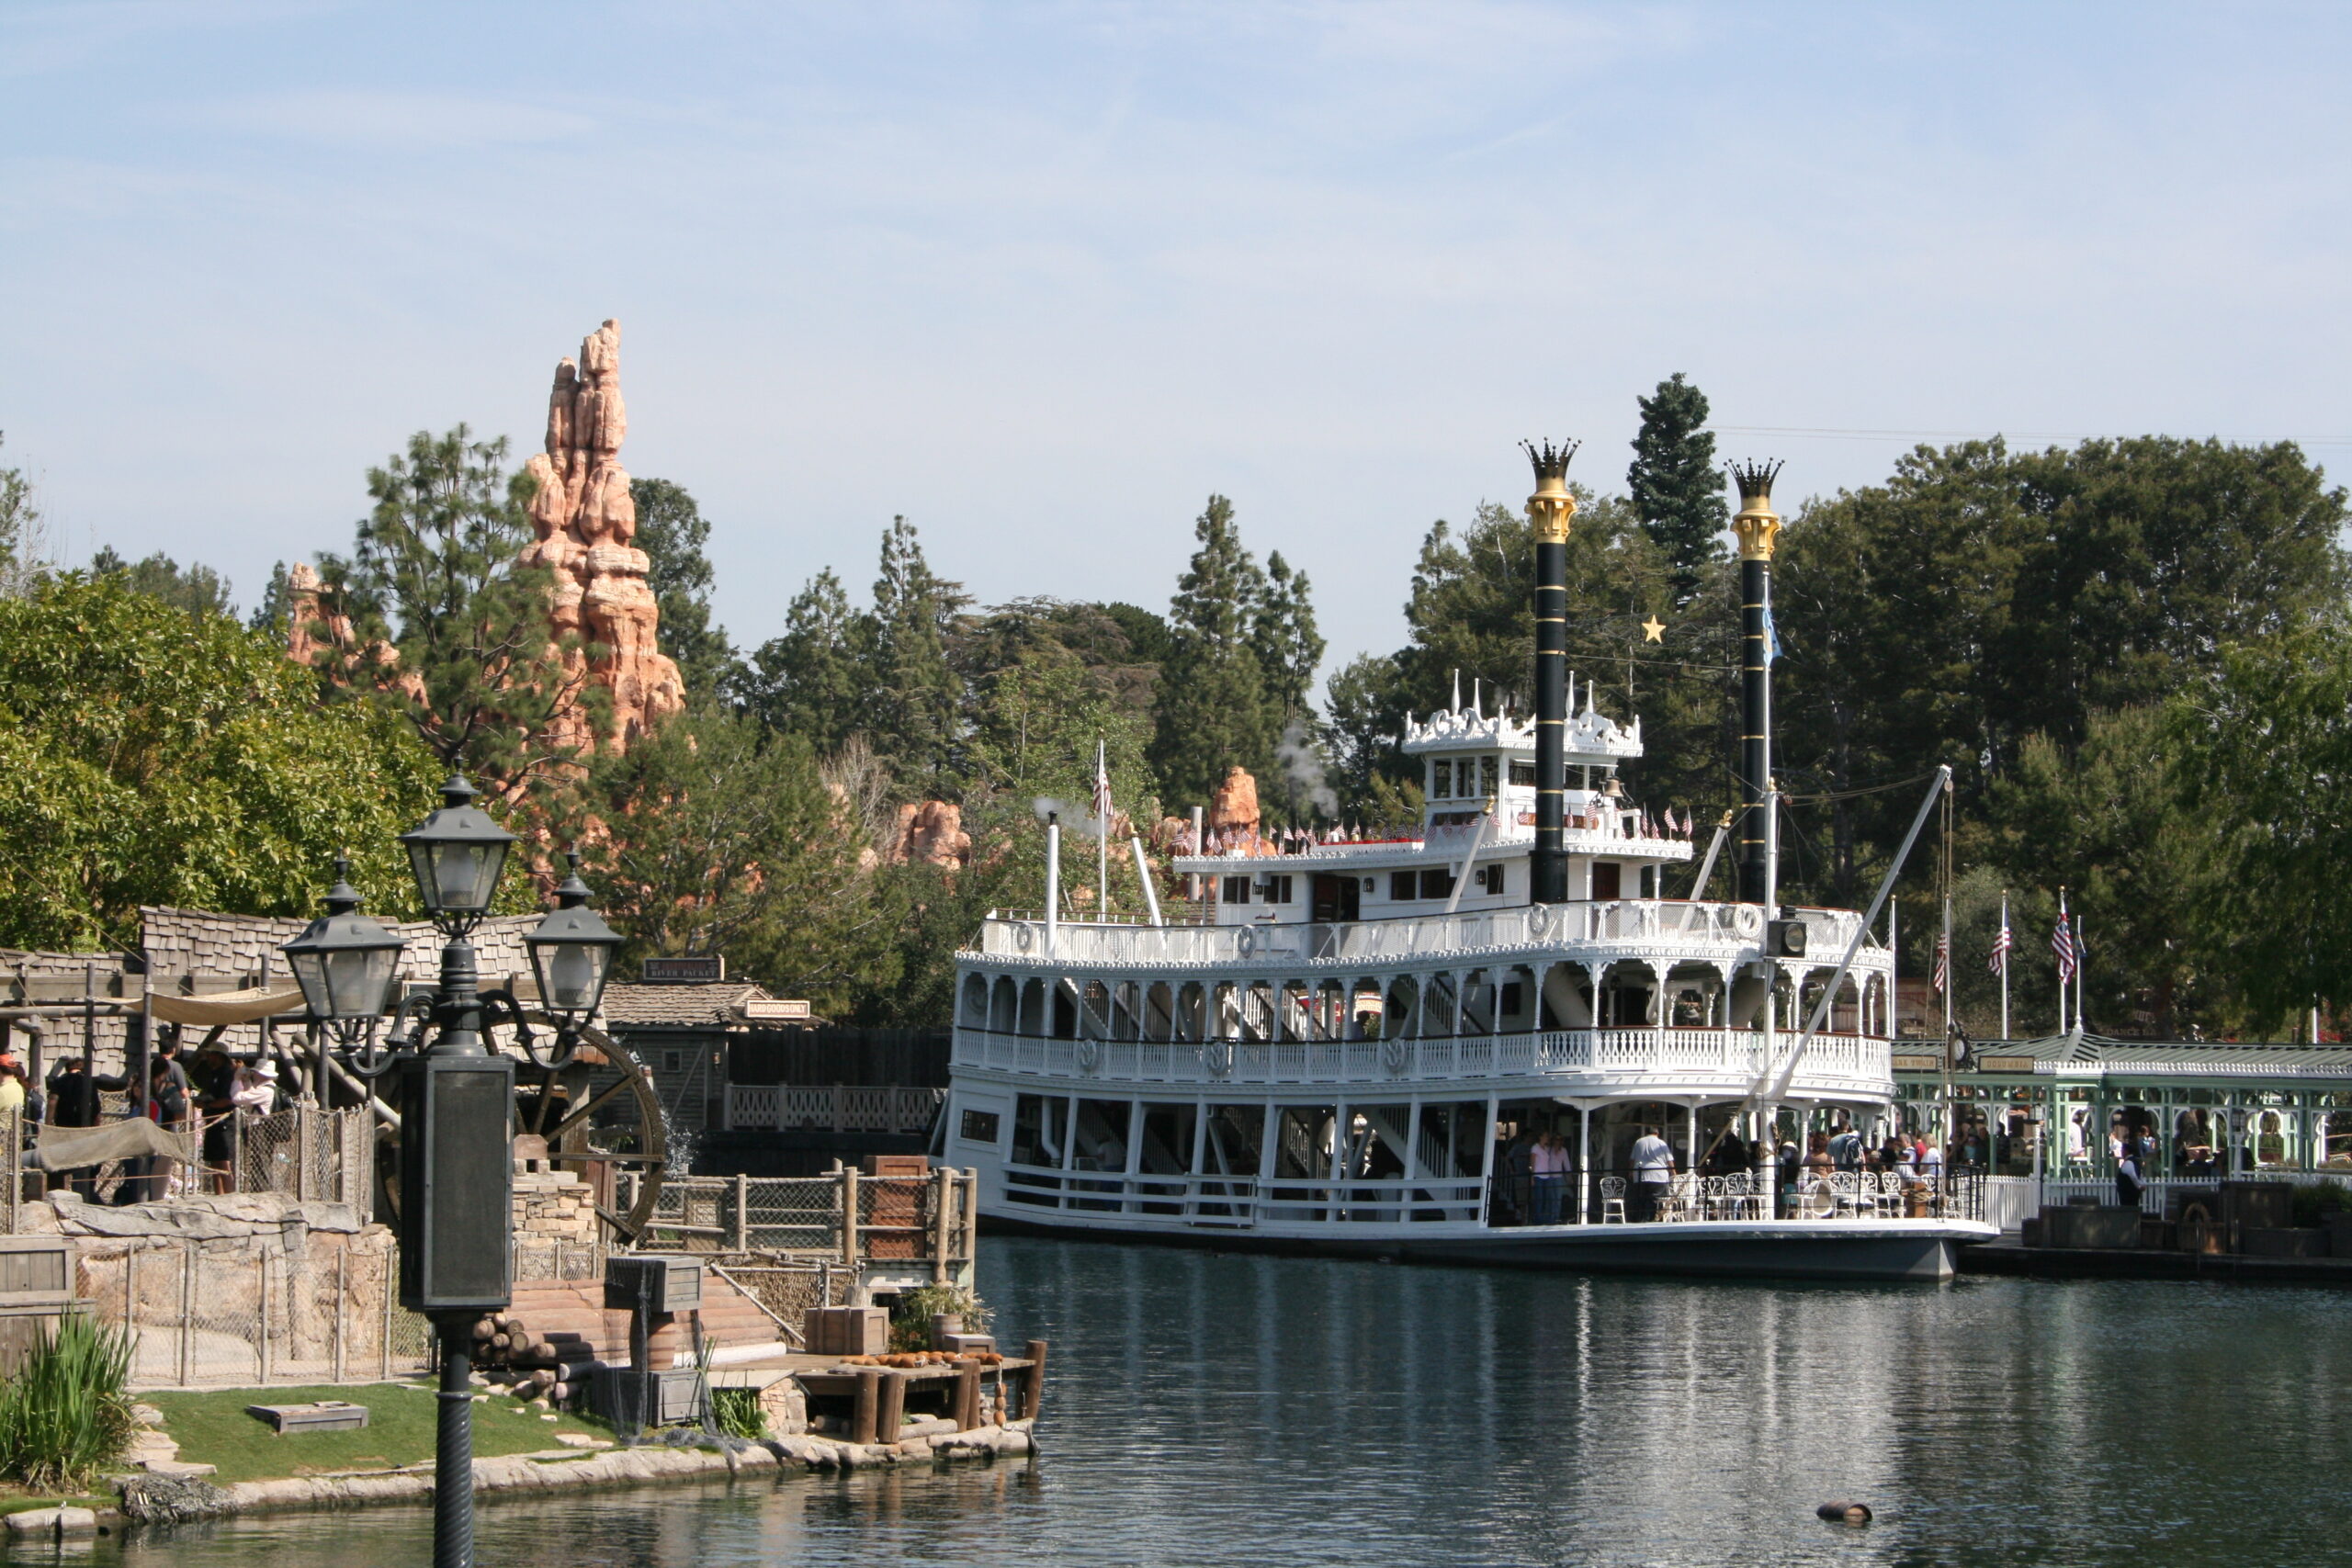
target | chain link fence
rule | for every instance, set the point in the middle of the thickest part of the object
(208, 1317)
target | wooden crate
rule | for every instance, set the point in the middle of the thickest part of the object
(846, 1331)
(329, 1416)
(665, 1283)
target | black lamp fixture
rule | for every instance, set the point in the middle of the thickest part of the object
(456, 854)
(345, 962)
(572, 952)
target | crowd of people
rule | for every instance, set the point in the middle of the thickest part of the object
(206, 1093)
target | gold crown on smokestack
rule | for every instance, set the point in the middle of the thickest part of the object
(1758, 525)
(1551, 506)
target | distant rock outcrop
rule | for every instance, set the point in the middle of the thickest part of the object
(585, 520)
(932, 831)
(1234, 812)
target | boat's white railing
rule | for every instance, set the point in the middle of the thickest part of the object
(1453, 836)
(1717, 928)
(1242, 1200)
(1708, 1053)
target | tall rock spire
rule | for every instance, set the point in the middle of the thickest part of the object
(585, 520)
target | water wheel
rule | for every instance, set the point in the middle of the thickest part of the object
(602, 1121)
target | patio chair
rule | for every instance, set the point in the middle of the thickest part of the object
(1612, 1200)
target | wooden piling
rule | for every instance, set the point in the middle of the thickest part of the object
(890, 1418)
(1033, 1388)
(869, 1394)
(967, 1398)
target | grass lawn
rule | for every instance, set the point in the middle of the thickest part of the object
(211, 1428)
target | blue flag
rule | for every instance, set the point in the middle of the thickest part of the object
(1771, 637)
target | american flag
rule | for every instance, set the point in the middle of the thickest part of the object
(2061, 942)
(1999, 963)
(1943, 963)
(1102, 791)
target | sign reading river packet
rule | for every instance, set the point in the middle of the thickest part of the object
(702, 969)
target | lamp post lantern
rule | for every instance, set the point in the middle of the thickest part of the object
(456, 1094)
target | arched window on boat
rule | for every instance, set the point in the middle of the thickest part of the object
(1192, 1011)
(1257, 1011)
(1004, 1006)
(1065, 1001)
(1441, 1005)
(1515, 1006)
(1364, 1011)
(1158, 1012)
(1096, 1024)
(1224, 1019)
(1331, 1019)
(1478, 1003)
(976, 1001)
(1404, 996)
(1293, 1014)
(1033, 1008)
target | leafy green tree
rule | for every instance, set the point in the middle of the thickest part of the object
(1036, 726)
(1214, 712)
(150, 754)
(475, 663)
(723, 837)
(2109, 820)
(194, 587)
(1365, 698)
(810, 680)
(2265, 754)
(674, 536)
(22, 535)
(1108, 641)
(914, 695)
(1678, 489)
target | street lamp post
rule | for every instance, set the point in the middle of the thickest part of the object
(456, 1094)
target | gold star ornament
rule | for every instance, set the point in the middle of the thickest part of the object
(1652, 630)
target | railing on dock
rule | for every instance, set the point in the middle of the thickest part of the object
(1712, 1054)
(836, 1108)
(911, 1223)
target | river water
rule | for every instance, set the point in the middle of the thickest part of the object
(1210, 1410)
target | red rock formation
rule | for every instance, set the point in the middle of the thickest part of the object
(932, 830)
(1234, 812)
(585, 520)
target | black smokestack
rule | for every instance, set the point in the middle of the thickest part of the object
(1758, 527)
(1549, 510)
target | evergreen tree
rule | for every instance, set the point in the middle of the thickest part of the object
(1212, 711)
(477, 666)
(914, 696)
(809, 681)
(275, 614)
(673, 534)
(22, 536)
(195, 587)
(1283, 636)
(1677, 490)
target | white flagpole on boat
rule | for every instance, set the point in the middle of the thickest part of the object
(1103, 836)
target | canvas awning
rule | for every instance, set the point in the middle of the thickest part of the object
(249, 1005)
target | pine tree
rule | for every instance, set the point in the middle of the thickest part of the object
(1211, 712)
(673, 534)
(1283, 636)
(915, 694)
(1678, 489)
(195, 587)
(807, 681)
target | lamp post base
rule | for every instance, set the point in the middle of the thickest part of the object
(452, 1446)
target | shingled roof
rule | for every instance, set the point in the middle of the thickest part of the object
(201, 941)
(715, 1006)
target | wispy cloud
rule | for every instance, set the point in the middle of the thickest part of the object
(388, 120)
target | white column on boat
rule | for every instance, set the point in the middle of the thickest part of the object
(1200, 1156)
(1486, 1162)
(1690, 1137)
(1413, 1171)
(1659, 1000)
(1135, 1156)
(1584, 1164)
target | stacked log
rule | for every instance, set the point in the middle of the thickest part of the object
(550, 1365)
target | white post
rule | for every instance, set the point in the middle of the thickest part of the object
(1053, 888)
(1200, 847)
(2008, 952)
(2082, 962)
(1143, 874)
(2061, 973)
(1102, 838)
(1584, 1165)
(1487, 1164)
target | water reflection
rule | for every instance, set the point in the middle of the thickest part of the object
(1262, 1412)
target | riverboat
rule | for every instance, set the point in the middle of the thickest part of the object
(1349, 1046)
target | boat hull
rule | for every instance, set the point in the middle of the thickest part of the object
(1786, 1249)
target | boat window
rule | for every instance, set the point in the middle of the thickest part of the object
(1277, 889)
(1522, 774)
(1437, 883)
(1402, 886)
(1488, 879)
(976, 1001)
(1237, 890)
(1606, 878)
(1442, 784)
(980, 1127)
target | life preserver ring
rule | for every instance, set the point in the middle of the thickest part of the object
(1246, 940)
(1218, 1057)
(1749, 919)
(1023, 937)
(1392, 1054)
(1089, 1055)
(1539, 921)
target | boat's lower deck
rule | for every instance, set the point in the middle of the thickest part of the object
(1807, 1249)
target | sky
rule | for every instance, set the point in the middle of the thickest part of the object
(1042, 277)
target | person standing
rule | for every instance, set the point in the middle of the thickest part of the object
(1549, 1166)
(2129, 1182)
(1653, 1169)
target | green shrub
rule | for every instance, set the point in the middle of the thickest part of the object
(910, 1318)
(737, 1412)
(67, 1415)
